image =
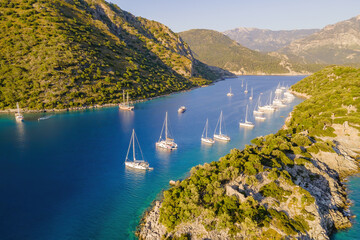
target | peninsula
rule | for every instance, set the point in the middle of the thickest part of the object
(284, 184)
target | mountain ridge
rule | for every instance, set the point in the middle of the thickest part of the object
(266, 40)
(334, 44)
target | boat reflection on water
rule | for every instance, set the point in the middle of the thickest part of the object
(126, 119)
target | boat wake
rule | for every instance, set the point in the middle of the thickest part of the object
(45, 118)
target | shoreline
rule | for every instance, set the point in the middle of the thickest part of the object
(106, 105)
(151, 228)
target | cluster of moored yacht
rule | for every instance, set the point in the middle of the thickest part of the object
(282, 96)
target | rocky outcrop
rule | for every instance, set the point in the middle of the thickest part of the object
(151, 228)
(319, 177)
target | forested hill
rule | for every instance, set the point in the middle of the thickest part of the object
(60, 54)
(284, 185)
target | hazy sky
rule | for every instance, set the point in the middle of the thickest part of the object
(221, 15)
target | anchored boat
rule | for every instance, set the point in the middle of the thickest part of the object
(205, 138)
(166, 143)
(136, 163)
(220, 135)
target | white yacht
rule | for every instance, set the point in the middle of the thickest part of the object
(220, 135)
(18, 116)
(260, 118)
(166, 143)
(205, 138)
(125, 105)
(251, 96)
(256, 109)
(230, 94)
(246, 91)
(181, 109)
(247, 123)
(242, 83)
(269, 107)
(136, 163)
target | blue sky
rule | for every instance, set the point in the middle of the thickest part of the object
(221, 15)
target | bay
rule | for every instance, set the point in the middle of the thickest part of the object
(64, 177)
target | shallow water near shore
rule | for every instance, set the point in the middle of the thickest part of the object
(353, 186)
(64, 177)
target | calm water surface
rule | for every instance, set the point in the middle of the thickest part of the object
(64, 177)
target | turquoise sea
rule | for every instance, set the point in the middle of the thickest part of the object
(63, 177)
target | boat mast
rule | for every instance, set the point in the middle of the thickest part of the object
(124, 96)
(246, 113)
(127, 101)
(18, 108)
(166, 126)
(133, 138)
(206, 127)
(251, 93)
(220, 122)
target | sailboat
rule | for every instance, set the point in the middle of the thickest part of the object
(166, 143)
(269, 107)
(220, 136)
(230, 94)
(258, 111)
(136, 163)
(242, 83)
(125, 105)
(246, 91)
(205, 138)
(251, 97)
(18, 116)
(278, 89)
(246, 124)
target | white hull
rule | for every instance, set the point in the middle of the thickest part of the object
(267, 108)
(182, 109)
(259, 118)
(278, 103)
(208, 140)
(247, 124)
(19, 117)
(230, 94)
(138, 165)
(126, 107)
(258, 112)
(221, 137)
(246, 91)
(166, 145)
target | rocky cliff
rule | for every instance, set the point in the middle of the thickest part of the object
(334, 44)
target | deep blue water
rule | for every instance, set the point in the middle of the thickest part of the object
(64, 177)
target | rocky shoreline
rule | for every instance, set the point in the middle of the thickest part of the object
(322, 176)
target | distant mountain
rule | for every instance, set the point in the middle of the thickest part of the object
(335, 44)
(265, 40)
(61, 54)
(217, 49)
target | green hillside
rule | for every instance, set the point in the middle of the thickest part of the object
(61, 54)
(215, 48)
(276, 187)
